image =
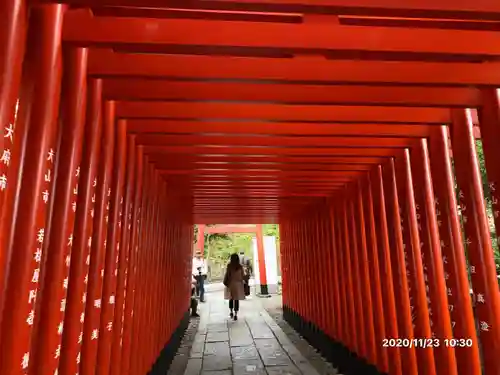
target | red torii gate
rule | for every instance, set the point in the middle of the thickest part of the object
(256, 229)
(342, 135)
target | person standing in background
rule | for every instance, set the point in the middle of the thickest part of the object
(246, 264)
(200, 275)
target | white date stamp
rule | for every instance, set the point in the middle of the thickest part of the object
(426, 343)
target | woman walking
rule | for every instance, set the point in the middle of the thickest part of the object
(234, 290)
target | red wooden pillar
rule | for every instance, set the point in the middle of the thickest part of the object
(309, 284)
(24, 257)
(334, 263)
(298, 305)
(357, 296)
(304, 271)
(455, 266)
(124, 256)
(293, 300)
(375, 277)
(320, 276)
(131, 283)
(262, 261)
(316, 285)
(477, 240)
(98, 245)
(379, 198)
(328, 275)
(431, 249)
(49, 323)
(489, 118)
(112, 249)
(82, 236)
(284, 248)
(340, 248)
(144, 334)
(12, 45)
(348, 284)
(154, 268)
(418, 295)
(364, 278)
(139, 293)
(405, 328)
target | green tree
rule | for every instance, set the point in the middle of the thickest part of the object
(211, 238)
(489, 203)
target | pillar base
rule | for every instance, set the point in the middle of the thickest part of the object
(264, 291)
(168, 353)
(347, 362)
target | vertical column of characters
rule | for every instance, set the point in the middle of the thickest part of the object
(112, 250)
(98, 244)
(10, 146)
(25, 253)
(375, 277)
(379, 198)
(123, 258)
(422, 244)
(478, 244)
(358, 296)
(454, 259)
(404, 321)
(431, 252)
(131, 281)
(418, 292)
(406, 238)
(79, 260)
(489, 117)
(46, 347)
(13, 32)
(364, 277)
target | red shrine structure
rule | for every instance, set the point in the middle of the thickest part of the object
(351, 123)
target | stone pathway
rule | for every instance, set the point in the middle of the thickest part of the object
(253, 345)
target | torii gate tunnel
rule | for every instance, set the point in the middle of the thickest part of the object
(349, 123)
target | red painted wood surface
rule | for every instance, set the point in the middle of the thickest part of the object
(29, 239)
(337, 120)
(477, 239)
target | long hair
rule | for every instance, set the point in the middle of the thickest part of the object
(234, 262)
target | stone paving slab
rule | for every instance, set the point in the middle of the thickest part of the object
(253, 345)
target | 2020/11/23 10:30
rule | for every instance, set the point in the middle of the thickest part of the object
(427, 343)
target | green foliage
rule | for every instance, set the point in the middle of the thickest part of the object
(220, 246)
(211, 239)
(489, 204)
